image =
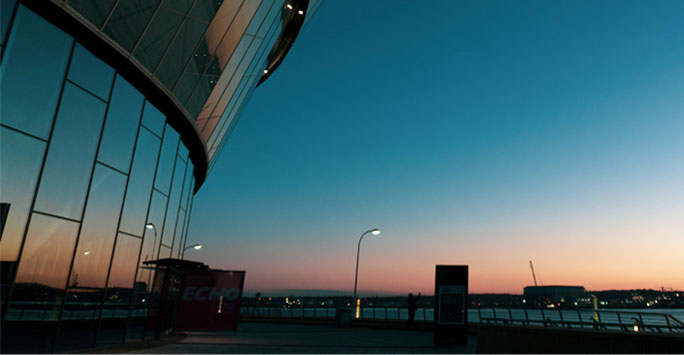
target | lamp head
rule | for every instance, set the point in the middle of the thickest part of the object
(375, 231)
(197, 246)
(149, 226)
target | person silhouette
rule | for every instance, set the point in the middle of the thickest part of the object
(412, 306)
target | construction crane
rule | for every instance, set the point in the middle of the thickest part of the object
(534, 277)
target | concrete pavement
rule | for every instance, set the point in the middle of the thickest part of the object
(263, 338)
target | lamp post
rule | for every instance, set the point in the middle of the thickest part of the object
(194, 246)
(154, 229)
(358, 251)
(154, 245)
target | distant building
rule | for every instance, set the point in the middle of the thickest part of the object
(544, 295)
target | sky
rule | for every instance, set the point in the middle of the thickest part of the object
(480, 133)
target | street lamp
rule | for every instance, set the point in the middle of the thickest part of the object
(194, 246)
(154, 245)
(154, 229)
(358, 251)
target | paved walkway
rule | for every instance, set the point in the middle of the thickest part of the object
(262, 338)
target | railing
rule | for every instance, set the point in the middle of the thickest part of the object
(562, 318)
(45, 312)
(583, 318)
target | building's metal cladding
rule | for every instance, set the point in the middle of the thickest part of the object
(111, 113)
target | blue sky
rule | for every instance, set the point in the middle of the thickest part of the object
(478, 132)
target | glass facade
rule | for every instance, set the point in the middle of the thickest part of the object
(78, 168)
(97, 173)
(208, 54)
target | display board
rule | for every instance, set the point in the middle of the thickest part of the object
(451, 305)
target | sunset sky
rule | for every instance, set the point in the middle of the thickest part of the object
(486, 133)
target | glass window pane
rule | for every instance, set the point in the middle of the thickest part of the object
(34, 309)
(91, 261)
(223, 21)
(185, 86)
(201, 59)
(156, 217)
(199, 96)
(184, 243)
(98, 232)
(95, 11)
(267, 7)
(174, 200)
(71, 154)
(129, 20)
(157, 37)
(147, 253)
(241, 97)
(31, 80)
(180, 51)
(91, 73)
(168, 155)
(227, 129)
(124, 262)
(225, 79)
(183, 152)
(6, 10)
(187, 189)
(153, 119)
(224, 51)
(119, 289)
(178, 234)
(79, 321)
(45, 260)
(206, 10)
(121, 126)
(20, 164)
(140, 301)
(140, 183)
(180, 6)
(229, 91)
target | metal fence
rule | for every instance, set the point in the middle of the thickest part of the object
(563, 318)
(45, 311)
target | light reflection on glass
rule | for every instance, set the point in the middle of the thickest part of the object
(99, 229)
(47, 254)
(121, 126)
(19, 167)
(30, 84)
(140, 183)
(71, 154)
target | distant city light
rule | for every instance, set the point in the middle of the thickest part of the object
(289, 6)
(265, 71)
(301, 12)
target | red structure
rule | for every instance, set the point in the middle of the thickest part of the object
(191, 296)
(210, 300)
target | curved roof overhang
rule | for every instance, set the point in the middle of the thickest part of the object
(93, 39)
(292, 23)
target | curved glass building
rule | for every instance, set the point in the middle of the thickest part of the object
(111, 114)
